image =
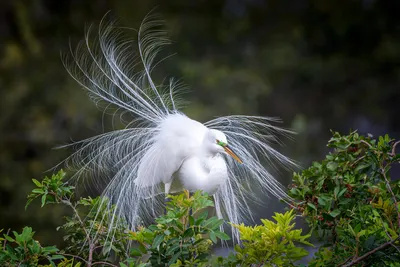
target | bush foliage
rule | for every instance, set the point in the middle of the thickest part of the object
(348, 200)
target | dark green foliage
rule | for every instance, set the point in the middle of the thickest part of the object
(350, 199)
(50, 190)
(88, 230)
(23, 250)
(182, 237)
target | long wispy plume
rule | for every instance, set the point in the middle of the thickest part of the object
(117, 71)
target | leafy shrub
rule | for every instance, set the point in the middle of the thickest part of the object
(271, 244)
(182, 237)
(350, 199)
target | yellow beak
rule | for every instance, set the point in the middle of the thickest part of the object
(232, 154)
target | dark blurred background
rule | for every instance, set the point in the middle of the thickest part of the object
(319, 65)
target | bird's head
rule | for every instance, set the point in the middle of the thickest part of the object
(217, 143)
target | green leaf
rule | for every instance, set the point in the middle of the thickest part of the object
(332, 166)
(57, 257)
(341, 192)
(157, 241)
(50, 249)
(213, 237)
(136, 252)
(44, 200)
(9, 238)
(142, 248)
(336, 191)
(38, 191)
(222, 235)
(167, 232)
(174, 258)
(191, 220)
(311, 206)
(37, 183)
(334, 213)
(189, 232)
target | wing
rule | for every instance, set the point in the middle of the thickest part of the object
(179, 138)
(158, 165)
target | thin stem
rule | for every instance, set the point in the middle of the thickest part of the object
(68, 203)
(366, 143)
(366, 255)
(104, 263)
(89, 240)
(394, 148)
(74, 256)
(5, 240)
(391, 192)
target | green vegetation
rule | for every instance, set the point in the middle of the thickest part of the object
(348, 199)
(351, 202)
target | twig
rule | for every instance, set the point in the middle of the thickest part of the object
(74, 256)
(90, 258)
(394, 148)
(366, 255)
(357, 160)
(89, 240)
(68, 203)
(393, 195)
(365, 142)
(104, 263)
(5, 240)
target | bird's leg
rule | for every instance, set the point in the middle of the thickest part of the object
(190, 210)
(167, 187)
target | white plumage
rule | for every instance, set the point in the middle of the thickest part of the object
(161, 150)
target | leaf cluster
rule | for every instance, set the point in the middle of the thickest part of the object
(273, 243)
(184, 235)
(23, 250)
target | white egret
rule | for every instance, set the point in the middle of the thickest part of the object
(162, 150)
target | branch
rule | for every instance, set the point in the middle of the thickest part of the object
(393, 195)
(104, 263)
(86, 262)
(5, 239)
(366, 255)
(394, 148)
(89, 240)
(74, 256)
(68, 203)
(366, 143)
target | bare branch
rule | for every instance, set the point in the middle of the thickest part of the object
(74, 256)
(389, 188)
(5, 240)
(366, 255)
(394, 148)
(104, 263)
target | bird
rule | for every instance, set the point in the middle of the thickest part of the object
(160, 150)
